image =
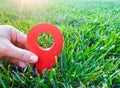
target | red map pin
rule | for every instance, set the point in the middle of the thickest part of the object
(46, 56)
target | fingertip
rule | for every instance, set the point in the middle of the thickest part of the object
(21, 64)
(33, 58)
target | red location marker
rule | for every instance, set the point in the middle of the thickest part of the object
(46, 56)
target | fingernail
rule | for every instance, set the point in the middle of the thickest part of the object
(22, 64)
(33, 58)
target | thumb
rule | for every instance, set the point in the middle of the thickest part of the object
(21, 54)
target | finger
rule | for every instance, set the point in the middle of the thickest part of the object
(20, 46)
(21, 54)
(17, 36)
(16, 61)
(21, 64)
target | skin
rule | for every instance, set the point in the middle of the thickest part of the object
(13, 47)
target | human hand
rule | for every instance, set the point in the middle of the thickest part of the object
(13, 47)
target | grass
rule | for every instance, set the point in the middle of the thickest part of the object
(91, 54)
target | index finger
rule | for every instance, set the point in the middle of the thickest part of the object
(17, 36)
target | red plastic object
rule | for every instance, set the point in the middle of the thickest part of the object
(46, 56)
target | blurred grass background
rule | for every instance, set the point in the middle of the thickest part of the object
(91, 54)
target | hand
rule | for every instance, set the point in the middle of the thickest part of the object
(13, 47)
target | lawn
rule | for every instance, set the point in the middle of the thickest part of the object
(91, 54)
